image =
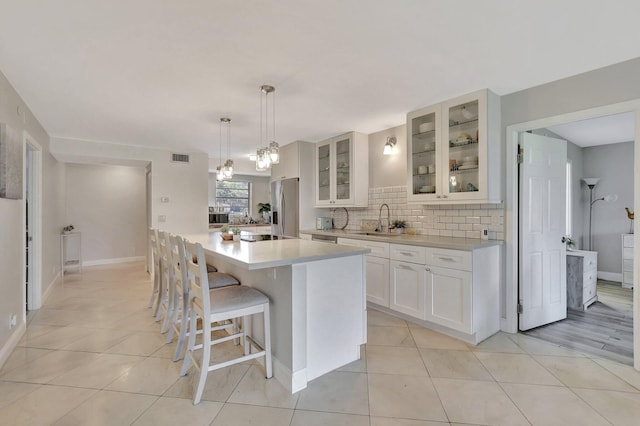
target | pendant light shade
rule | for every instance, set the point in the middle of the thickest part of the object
(269, 151)
(226, 171)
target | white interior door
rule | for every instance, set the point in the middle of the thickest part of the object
(542, 254)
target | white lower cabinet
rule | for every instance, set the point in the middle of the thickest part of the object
(408, 282)
(378, 280)
(448, 298)
(452, 291)
(377, 269)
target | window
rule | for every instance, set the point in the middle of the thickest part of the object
(235, 194)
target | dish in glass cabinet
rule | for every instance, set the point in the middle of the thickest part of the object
(468, 167)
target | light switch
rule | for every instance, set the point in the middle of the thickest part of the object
(162, 218)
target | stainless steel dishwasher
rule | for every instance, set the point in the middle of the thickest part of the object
(325, 238)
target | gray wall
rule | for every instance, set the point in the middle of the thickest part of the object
(388, 170)
(11, 213)
(613, 164)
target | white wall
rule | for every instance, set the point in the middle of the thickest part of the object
(613, 164)
(14, 112)
(185, 185)
(108, 205)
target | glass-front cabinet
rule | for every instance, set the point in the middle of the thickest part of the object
(454, 153)
(423, 133)
(340, 181)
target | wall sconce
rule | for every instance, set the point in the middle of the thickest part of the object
(389, 145)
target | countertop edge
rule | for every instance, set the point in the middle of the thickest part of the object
(453, 243)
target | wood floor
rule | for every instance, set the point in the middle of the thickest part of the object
(604, 329)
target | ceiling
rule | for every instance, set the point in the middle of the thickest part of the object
(161, 74)
(604, 130)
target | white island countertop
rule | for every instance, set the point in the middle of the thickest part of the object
(268, 254)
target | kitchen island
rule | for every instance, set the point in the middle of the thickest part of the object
(318, 300)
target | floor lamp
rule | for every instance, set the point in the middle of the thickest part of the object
(591, 183)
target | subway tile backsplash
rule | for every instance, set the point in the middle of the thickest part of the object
(461, 220)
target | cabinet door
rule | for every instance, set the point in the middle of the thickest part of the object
(324, 170)
(378, 280)
(408, 281)
(423, 155)
(343, 167)
(448, 298)
(464, 147)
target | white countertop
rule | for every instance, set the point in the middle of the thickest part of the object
(268, 254)
(452, 243)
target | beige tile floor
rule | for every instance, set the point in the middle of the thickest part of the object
(94, 356)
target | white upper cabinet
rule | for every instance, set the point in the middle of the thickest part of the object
(454, 153)
(341, 181)
(289, 164)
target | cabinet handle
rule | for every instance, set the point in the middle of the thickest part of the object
(448, 259)
(405, 267)
(444, 196)
(438, 196)
(427, 269)
(405, 253)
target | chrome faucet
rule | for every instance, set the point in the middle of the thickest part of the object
(379, 228)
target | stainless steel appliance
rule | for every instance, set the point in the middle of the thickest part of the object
(218, 217)
(284, 207)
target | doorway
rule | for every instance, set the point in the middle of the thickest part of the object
(32, 243)
(513, 215)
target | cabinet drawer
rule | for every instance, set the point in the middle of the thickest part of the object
(414, 254)
(454, 259)
(589, 279)
(588, 292)
(627, 240)
(590, 262)
(378, 249)
(627, 265)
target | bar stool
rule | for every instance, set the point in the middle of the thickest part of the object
(217, 305)
(163, 310)
(179, 290)
(157, 272)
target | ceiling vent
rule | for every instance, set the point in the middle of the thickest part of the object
(179, 158)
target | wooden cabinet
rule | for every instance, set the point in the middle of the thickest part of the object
(627, 260)
(341, 181)
(582, 277)
(377, 264)
(289, 164)
(454, 151)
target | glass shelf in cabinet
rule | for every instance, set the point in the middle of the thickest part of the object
(426, 151)
(474, 169)
(469, 144)
(453, 123)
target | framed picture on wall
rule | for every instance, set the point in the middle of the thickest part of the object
(10, 163)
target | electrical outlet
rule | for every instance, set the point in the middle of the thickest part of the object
(12, 320)
(164, 199)
(162, 218)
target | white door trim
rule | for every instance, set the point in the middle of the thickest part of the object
(35, 284)
(510, 322)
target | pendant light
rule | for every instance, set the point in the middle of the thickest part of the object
(219, 173)
(269, 151)
(227, 169)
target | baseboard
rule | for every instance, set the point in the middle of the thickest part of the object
(47, 292)
(610, 276)
(7, 349)
(113, 261)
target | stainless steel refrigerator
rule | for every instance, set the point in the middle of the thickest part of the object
(284, 207)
